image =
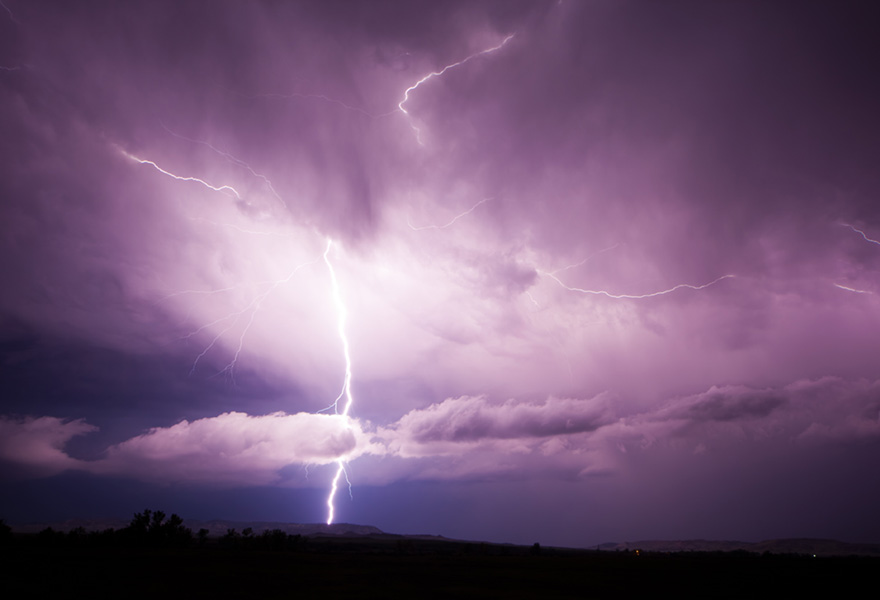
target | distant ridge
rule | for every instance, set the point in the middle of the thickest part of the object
(219, 527)
(215, 527)
(785, 546)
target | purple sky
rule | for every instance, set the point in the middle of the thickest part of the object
(610, 273)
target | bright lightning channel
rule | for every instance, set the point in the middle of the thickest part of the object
(254, 306)
(431, 75)
(222, 188)
(849, 289)
(862, 233)
(234, 160)
(341, 315)
(634, 296)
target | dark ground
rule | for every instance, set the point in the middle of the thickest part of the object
(413, 568)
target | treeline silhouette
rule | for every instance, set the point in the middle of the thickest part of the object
(150, 529)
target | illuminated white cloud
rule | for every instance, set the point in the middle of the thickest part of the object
(236, 448)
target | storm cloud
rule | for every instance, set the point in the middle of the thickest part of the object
(625, 246)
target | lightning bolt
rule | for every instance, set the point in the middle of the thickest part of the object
(861, 233)
(341, 315)
(430, 76)
(11, 16)
(452, 222)
(222, 188)
(634, 296)
(345, 395)
(849, 289)
(236, 161)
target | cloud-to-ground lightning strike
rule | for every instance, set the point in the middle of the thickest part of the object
(413, 87)
(222, 188)
(861, 233)
(341, 315)
(254, 305)
(452, 222)
(634, 296)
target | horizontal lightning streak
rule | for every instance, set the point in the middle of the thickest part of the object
(849, 289)
(234, 160)
(861, 233)
(222, 188)
(635, 296)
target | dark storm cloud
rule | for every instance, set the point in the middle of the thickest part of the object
(474, 419)
(721, 407)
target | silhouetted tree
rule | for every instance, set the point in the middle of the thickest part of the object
(5, 533)
(275, 540)
(50, 537)
(230, 540)
(150, 528)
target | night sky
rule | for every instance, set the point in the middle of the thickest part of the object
(606, 270)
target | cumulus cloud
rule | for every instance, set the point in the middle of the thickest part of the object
(468, 419)
(824, 410)
(231, 448)
(237, 448)
(474, 437)
(468, 437)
